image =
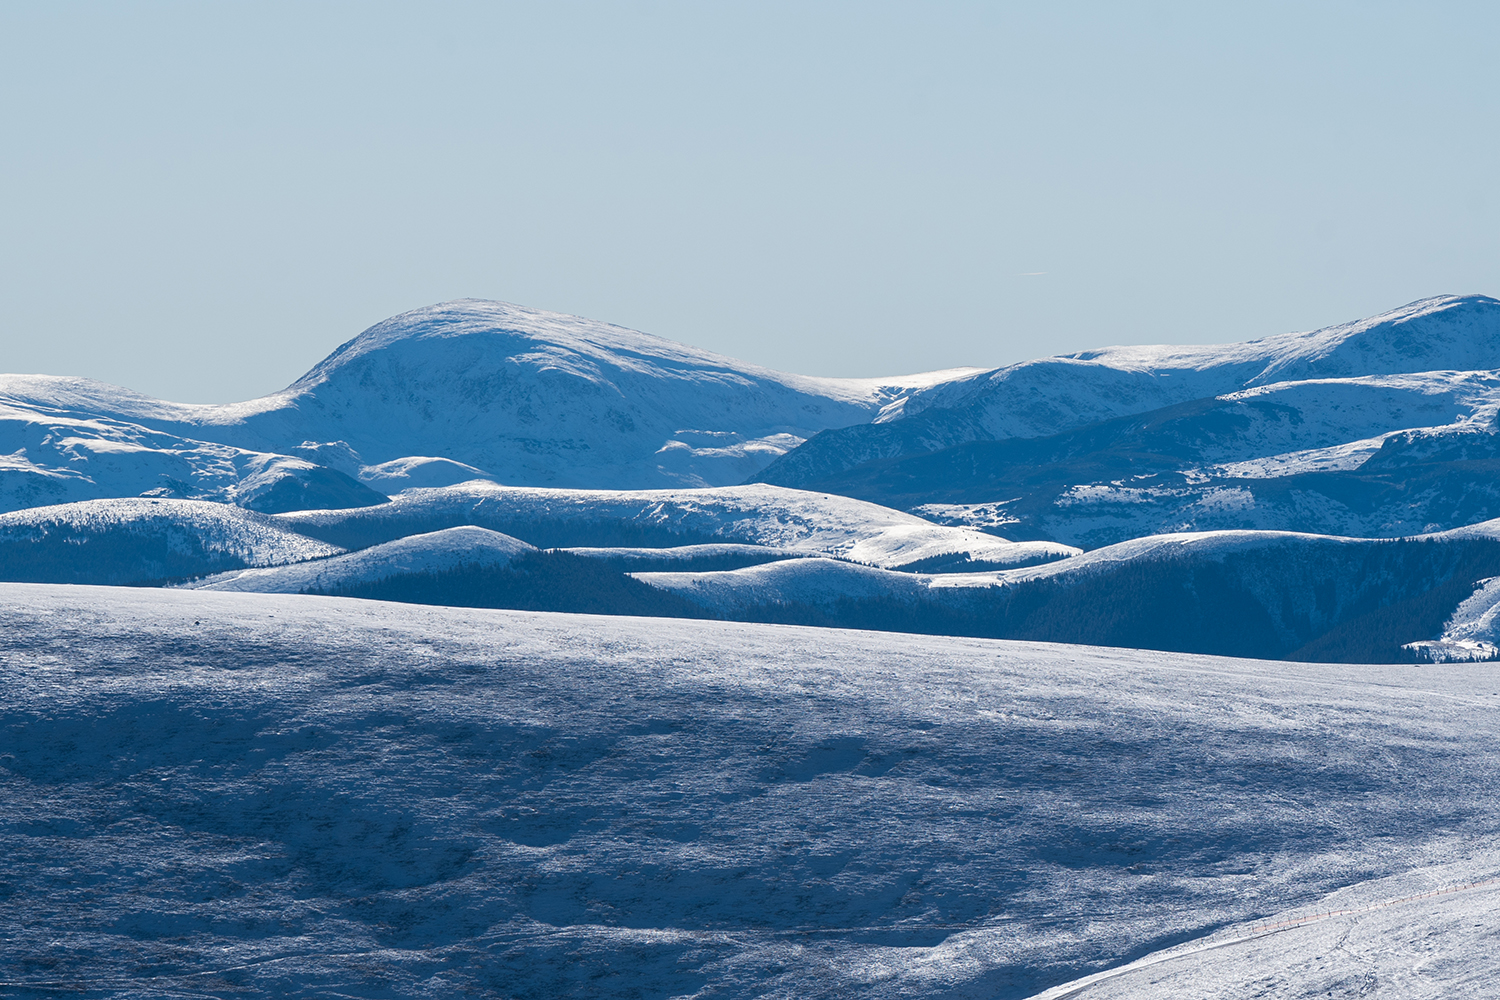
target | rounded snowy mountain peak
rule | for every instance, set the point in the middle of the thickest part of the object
(503, 328)
(530, 397)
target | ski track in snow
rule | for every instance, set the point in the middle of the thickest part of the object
(220, 794)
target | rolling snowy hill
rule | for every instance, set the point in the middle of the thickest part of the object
(434, 552)
(765, 553)
(144, 541)
(1244, 593)
(790, 520)
(214, 794)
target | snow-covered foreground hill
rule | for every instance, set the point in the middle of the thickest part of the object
(213, 794)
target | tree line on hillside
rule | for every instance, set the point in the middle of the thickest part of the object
(124, 555)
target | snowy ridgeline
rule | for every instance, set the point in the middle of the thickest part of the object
(278, 796)
(432, 397)
(1377, 428)
(1379, 456)
(1380, 428)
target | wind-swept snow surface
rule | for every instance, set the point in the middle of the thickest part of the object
(236, 794)
(1414, 935)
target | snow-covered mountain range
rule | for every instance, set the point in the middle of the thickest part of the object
(923, 499)
(1382, 427)
(315, 739)
(1378, 428)
(453, 392)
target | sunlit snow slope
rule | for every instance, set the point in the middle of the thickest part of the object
(272, 796)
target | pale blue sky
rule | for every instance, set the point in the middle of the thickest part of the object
(200, 200)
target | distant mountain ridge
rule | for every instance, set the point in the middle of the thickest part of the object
(439, 395)
(1050, 395)
(1383, 427)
